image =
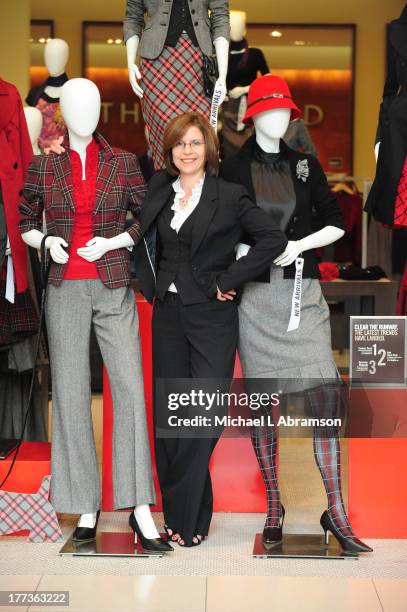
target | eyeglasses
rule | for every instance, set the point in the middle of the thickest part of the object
(194, 144)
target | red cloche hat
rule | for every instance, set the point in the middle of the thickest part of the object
(268, 92)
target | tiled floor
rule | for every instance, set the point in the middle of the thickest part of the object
(216, 593)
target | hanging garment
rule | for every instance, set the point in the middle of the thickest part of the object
(3, 232)
(379, 246)
(16, 153)
(53, 125)
(244, 65)
(387, 201)
(402, 298)
(349, 247)
(18, 320)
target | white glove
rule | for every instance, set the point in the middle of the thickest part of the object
(241, 250)
(95, 248)
(238, 92)
(55, 244)
(293, 249)
(135, 77)
(98, 246)
(134, 72)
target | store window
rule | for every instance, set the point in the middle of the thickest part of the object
(318, 64)
(41, 31)
(104, 63)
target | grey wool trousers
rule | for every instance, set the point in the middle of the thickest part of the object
(71, 309)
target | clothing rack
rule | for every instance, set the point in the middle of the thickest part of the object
(367, 184)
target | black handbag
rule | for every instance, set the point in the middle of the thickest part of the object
(210, 74)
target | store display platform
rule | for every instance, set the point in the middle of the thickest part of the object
(301, 546)
(108, 544)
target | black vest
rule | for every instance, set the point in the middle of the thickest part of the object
(180, 20)
(175, 258)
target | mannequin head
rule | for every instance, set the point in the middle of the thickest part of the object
(80, 106)
(272, 124)
(56, 54)
(238, 20)
(33, 116)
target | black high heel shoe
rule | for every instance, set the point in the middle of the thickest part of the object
(348, 544)
(274, 535)
(86, 534)
(148, 544)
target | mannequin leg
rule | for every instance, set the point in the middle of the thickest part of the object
(265, 445)
(116, 327)
(323, 401)
(75, 487)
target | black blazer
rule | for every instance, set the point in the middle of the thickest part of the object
(224, 214)
(313, 199)
(392, 128)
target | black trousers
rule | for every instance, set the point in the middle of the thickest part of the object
(195, 341)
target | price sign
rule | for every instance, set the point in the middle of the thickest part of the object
(378, 350)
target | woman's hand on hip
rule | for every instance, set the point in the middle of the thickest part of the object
(228, 295)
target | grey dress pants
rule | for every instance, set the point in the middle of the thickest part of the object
(71, 309)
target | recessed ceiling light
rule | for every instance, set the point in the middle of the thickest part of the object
(118, 41)
(110, 41)
(31, 40)
(299, 43)
(276, 34)
(41, 40)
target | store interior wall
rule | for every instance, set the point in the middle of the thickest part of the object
(370, 16)
(14, 43)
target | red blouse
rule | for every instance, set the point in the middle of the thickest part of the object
(84, 197)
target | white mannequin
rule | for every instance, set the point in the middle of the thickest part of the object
(56, 54)
(222, 55)
(33, 117)
(80, 108)
(270, 127)
(376, 150)
(238, 20)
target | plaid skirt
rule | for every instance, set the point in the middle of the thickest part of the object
(172, 85)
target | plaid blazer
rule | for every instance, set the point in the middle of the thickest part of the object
(119, 187)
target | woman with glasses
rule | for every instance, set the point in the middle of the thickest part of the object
(191, 222)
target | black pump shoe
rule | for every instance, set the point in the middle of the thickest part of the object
(152, 544)
(348, 544)
(86, 534)
(274, 535)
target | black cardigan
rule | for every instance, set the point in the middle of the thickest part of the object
(225, 214)
(315, 202)
(392, 128)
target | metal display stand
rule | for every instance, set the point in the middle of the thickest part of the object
(108, 544)
(301, 546)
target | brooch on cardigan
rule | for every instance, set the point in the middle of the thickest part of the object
(303, 170)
